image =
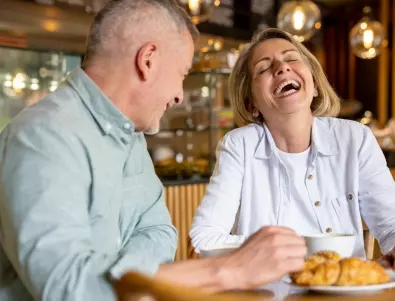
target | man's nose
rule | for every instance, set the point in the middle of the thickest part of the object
(179, 98)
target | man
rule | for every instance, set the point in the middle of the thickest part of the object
(80, 203)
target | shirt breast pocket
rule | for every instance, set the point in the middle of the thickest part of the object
(344, 207)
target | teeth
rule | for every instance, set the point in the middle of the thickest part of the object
(289, 92)
(280, 87)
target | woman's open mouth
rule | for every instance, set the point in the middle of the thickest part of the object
(287, 88)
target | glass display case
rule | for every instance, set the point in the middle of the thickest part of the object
(26, 76)
(184, 149)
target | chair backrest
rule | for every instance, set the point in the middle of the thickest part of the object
(372, 247)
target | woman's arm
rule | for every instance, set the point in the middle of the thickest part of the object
(216, 214)
(376, 192)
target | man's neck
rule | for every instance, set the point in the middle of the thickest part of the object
(114, 85)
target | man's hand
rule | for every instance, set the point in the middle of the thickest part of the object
(388, 260)
(266, 256)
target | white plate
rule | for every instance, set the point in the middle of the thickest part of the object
(349, 290)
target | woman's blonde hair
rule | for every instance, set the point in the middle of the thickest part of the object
(327, 102)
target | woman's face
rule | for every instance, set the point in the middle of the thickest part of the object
(282, 82)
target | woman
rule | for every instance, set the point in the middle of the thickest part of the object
(291, 163)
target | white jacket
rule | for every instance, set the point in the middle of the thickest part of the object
(347, 174)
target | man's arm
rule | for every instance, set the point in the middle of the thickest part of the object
(266, 256)
(44, 215)
(153, 241)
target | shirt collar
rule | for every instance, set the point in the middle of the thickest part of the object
(107, 116)
(322, 140)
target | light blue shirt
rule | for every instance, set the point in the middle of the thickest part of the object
(346, 178)
(79, 199)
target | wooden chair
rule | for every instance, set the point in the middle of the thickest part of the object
(137, 287)
(372, 247)
(191, 250)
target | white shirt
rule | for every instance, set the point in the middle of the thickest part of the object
(347, 177)
(299, 204)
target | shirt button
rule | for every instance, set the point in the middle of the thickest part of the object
(108, 126)
(310, 177)
(350, 197)
(318, 203)
(328, 230)
(126, 126)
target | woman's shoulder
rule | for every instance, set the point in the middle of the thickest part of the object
(246, 132)
(344, 129)
(339, 124)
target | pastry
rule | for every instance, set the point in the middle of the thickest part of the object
(356, 272)
(327, 268)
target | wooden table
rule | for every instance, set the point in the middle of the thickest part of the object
(388, 295)
(136, 287)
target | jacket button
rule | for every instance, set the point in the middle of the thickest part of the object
(318, 203)
(310, 177)
(350, 197)
(328, 230)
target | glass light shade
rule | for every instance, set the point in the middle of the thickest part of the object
(199, 10)
(301, 19)
(367, 38)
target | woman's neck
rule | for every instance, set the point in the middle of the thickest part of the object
(292, 134)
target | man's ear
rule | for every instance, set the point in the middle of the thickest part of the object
(146, 60)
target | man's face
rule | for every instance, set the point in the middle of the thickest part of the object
(166, 83)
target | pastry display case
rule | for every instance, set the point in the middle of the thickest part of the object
(26, 76)
(184, 149)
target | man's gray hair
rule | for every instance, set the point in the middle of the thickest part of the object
(118, 18)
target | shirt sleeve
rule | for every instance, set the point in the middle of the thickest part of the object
(44, 219)
(376, 192)
(153, 241)
(217, 212)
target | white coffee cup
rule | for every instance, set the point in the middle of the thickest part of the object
(218, 250)
(343, 244)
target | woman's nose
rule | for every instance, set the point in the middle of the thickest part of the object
(282, 68)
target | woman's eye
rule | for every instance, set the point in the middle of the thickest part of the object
(262, 71)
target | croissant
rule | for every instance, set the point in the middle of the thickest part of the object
(308, 274)
(355, 271)
(326, 268)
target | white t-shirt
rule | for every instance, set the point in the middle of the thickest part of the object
(299, 204)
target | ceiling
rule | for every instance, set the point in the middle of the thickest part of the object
(335, 2)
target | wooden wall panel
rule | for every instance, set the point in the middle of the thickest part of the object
(182, 202)
(393, 57)
(384, 68)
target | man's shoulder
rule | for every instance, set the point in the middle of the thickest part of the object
(59, 109)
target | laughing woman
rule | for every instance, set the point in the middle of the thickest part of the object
(291, 163)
